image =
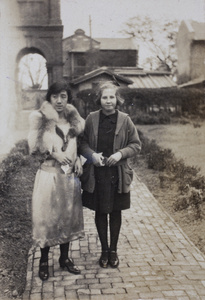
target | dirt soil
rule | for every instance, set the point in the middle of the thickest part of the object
(167, 195)
(15, 213)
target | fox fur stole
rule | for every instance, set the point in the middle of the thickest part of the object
(43, 123)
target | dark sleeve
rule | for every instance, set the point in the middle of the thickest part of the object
(133, 142)
(84, 147)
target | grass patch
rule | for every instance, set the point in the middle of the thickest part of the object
(189, 184)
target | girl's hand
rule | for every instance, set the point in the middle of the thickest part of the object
(98, 159)
(113, 159)
(62, 158)
(78, 169)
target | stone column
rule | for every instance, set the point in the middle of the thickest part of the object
(55, 18)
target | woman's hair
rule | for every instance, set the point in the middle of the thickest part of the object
(57, 87)
(105, 86)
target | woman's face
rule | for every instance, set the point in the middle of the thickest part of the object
(59, 101)
(108, 101)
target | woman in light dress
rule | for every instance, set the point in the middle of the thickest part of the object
(57, 213)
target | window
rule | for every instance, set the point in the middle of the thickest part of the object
(80, 60)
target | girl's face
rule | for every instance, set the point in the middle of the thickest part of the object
(108, 101)
(59, 101)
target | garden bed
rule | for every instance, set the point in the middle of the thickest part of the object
(15, 201)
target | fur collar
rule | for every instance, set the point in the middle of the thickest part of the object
(71, 114)
(43, 125)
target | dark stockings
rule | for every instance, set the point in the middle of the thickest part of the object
(101, 222)
(64, 251)
(44, 254)
(115, 225)
(101, 225)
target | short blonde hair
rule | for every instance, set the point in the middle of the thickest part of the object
(105, 86)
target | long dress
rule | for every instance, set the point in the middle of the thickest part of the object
(57, 212)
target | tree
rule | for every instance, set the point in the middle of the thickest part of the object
(33, 71)
(159, 37)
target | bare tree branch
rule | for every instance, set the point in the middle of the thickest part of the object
(158, 36)
(32, 71)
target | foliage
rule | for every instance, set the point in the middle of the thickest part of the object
(16, 178)
(191, 185)
(191, 198)
(150, 106)
(17, 157)
(159, 36)
(151, 118)
(85, 102)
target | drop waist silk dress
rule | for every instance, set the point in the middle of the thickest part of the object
(57, 214)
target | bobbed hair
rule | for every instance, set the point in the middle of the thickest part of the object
(58, 87)
(105, 86)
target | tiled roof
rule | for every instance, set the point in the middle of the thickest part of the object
(76, 42)
(116, 43)
(152, 81)
(146, 79)
(98, 72)
(141, 78)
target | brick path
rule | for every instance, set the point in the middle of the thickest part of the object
(157, 260)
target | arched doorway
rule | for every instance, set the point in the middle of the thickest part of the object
(31, 77)
(32, 71)
(33, 27)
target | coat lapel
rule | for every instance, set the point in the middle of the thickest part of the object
(120, 121)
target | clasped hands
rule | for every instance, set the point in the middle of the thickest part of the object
(99, 160)
(64, 160)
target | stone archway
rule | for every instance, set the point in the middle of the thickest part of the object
(26, 24)
(24, 52)
(41, 26)
(30, 92)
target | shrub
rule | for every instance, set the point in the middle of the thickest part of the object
(145, 119)
(191, 198)
(183, 172)
(160, 159)
(191, 185)
(22, 147)
(17, 157)
(150, 106)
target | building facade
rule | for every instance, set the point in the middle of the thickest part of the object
(191, 52)
(82, 54)
(26, 26)
(40, 24)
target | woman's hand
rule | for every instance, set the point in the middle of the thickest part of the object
(98, 159)
(113, 159)
(62, 158)
(78, 169)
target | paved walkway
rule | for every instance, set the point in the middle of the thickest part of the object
(157, 261)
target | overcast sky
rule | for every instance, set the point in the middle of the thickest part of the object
(108, 16)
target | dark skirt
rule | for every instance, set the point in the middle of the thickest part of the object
(105, 197)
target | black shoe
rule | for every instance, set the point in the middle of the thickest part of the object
(69, 265)
(113, 259)
(43, 271)
(103, 261)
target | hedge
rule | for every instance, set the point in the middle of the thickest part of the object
(170, 101)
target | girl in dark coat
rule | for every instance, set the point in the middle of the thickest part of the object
(110, 138)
